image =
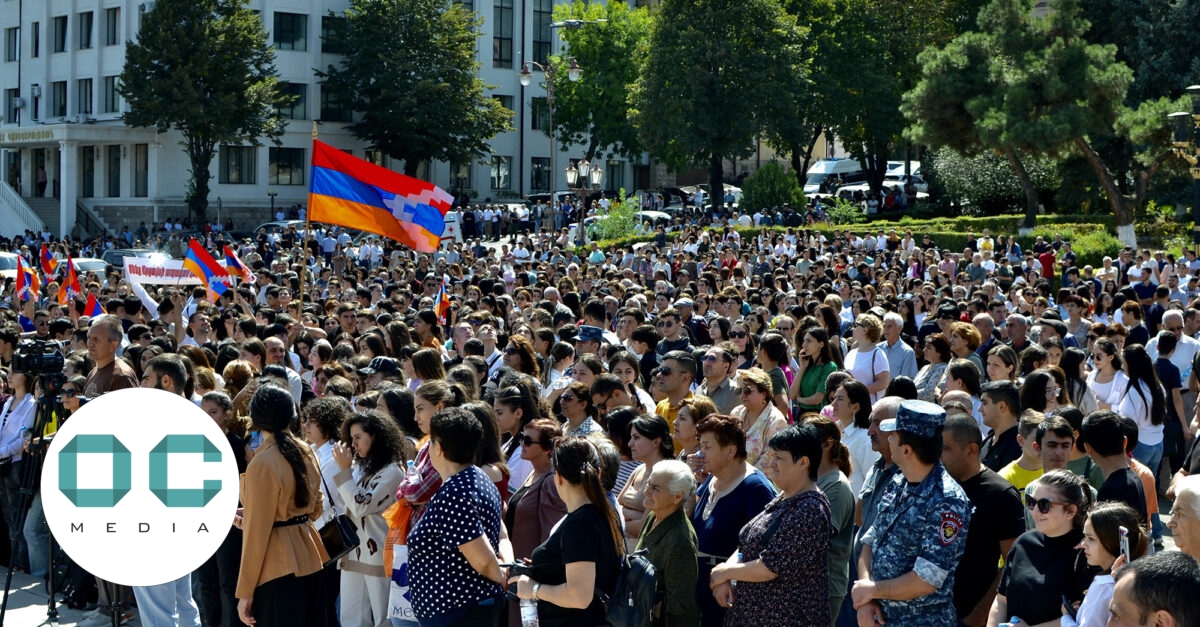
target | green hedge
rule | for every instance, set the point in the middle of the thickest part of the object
(1090, 237)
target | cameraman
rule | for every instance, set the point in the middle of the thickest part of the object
(17, 418)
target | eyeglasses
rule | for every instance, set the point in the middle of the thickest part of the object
(1042, 505)
(567, 397)
(708, 358)
(511, 351)
(528, 441)
(666, 372)
(666, 324)
(70, 391)
(737, 335)
(747, 390)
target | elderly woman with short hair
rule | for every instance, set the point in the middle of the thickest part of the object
(760, 418)
(668, 536)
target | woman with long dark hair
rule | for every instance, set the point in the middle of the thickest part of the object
(429, 332)
(816, 359)
(581, 558)
(369, 457)
(516, 406)
(1074, 367)
(282, 553)
(1145, 403)
(535, 507)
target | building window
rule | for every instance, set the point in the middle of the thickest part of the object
(331, 28)
(460, 175)
(35, 102)
(85, 30)
(539, 174)
(539, 114)
(502, 36)
(286, 166)
(83, 91)
(114, 170)
(10, 105)
(291, 31)
(467, 4)
(141, 170)
(614, 175)
(12, 43)
(501, 171)
(332, 110)
(543, 33)
(111, 99)
(298, 109)
(58, 99)
(375, 156)
(60, 33)
(238, 165)
(112, 26)
(89, 171)
(36, 40)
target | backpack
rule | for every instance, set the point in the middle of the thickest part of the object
(636, 593)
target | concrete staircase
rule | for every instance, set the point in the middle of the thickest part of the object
(47, 210)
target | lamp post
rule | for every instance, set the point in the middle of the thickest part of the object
(272, 193)
(1186, 130)
(551, 72)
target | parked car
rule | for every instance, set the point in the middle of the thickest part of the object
(116, 256)
(90, 264)
(8, 265)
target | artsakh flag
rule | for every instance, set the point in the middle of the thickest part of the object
(235, 266)
(442, 306)
(358, 194)
(70, 285)
(27, 281)
(93, 308)
(49, 263)
(202, 264)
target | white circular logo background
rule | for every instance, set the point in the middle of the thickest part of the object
(140, 487)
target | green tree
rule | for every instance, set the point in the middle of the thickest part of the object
(987, 181)
(621, 219)
(594, 111)
(204, 68)
(712, 73)
(770, 186)
(1046, 89)
(411, 76)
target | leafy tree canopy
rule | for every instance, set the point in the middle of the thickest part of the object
(594, 111)
(770, 186)
(411, 76)
(204, 68)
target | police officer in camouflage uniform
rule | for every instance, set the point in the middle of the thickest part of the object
(910, 553)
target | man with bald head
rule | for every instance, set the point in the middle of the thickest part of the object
(277, 355)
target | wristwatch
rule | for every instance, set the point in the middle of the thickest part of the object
(536, 587)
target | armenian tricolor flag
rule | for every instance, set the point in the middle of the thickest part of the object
(235, 266)
(49, 263)
(202, 264)
(70, 285)
(358, 194)
(27, 281)
(93, 308)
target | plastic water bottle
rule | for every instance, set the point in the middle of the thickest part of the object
(1012, 622)
(529, 616)
(412, 468)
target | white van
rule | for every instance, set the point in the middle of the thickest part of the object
(847, 170)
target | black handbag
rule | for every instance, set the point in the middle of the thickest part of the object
(340, 535)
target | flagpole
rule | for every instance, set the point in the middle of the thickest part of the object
(304, 244)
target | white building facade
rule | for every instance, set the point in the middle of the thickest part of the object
(66, 156)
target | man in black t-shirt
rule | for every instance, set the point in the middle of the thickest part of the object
(999, 518)
(1000, 404)
(1104, 439)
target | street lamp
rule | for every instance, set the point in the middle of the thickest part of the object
(1186, 131)
(272, 193)
(526, 77)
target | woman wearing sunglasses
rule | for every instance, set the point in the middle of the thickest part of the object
(535, 507)
(1046, 567)
(575, 407)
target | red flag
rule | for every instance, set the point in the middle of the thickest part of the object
(93, 308)
(27, 281)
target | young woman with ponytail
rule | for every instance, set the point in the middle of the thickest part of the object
(584, 552)
(282, 552)
(833, 477)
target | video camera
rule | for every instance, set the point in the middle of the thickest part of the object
(41, 358)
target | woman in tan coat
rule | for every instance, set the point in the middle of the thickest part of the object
(282, 552)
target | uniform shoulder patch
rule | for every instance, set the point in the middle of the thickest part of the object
(951, 526)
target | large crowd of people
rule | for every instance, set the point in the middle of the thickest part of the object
(856, 428)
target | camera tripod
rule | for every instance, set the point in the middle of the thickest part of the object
(48, 406)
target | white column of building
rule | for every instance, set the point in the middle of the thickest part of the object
(68, 153)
